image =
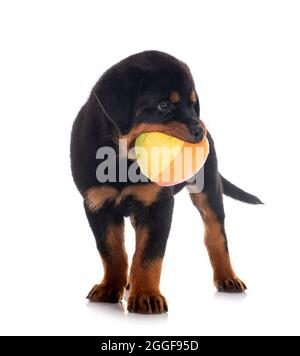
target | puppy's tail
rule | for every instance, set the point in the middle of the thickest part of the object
(236, 193)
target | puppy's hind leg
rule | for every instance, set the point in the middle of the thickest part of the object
(209, 202)
(216, 243)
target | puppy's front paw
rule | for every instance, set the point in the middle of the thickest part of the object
(233, 285)
(105, 294)
(147, 304)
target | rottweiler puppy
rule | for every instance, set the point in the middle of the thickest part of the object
(146, 92)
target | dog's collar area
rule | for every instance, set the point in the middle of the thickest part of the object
(107, 116)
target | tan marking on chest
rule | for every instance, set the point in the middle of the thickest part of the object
(96, 197)
(146, 194)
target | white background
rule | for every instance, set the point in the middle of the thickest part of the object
(245, 57)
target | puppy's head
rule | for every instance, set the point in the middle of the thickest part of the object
(152, 91)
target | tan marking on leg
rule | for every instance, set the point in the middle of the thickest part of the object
(116, 265)
(144, 279)
(112, 287)
(144, 292)
(95, 197)
(224, 276)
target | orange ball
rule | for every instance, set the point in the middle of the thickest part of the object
(167, 160)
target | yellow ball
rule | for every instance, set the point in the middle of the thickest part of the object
(167, 160)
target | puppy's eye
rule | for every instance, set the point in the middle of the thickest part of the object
(165, 106)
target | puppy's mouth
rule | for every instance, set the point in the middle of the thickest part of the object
(194, 133)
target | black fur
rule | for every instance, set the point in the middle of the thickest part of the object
(99, 222)
(236, 193)
(157, 219)
(130, 92)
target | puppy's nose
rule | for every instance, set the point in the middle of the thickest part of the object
(196, 132)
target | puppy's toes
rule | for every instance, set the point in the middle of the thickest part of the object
(234, 285)
(147, 304)
(105, 294)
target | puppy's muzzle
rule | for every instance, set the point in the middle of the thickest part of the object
(197, 131)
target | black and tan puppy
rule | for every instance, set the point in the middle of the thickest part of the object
(149, 91)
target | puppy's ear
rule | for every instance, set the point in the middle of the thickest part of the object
(117, 89)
